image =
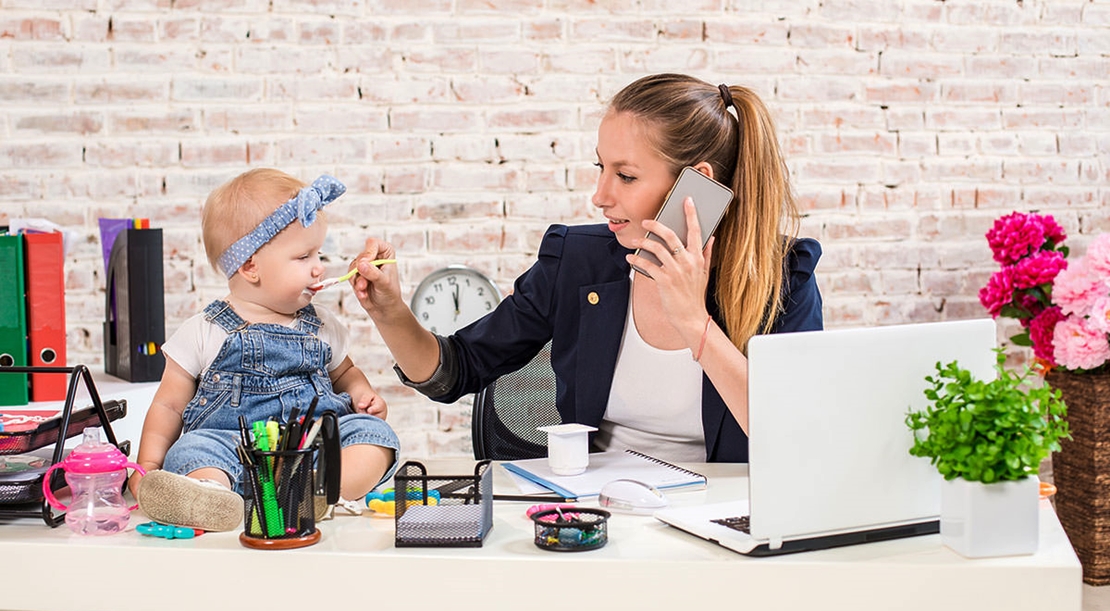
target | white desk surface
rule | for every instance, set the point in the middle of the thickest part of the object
(645, 565)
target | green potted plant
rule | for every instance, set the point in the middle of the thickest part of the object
(988, 438)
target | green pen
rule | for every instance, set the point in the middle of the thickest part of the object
(274, 523)
(261, 438)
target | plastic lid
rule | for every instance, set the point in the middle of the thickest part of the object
(94, 456)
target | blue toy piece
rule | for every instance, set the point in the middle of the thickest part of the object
(165, 531)
(387, 495)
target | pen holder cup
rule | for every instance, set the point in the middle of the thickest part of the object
(279, 508)
(442, 510)
(571, 530)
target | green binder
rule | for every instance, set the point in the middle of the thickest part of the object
(13, 322)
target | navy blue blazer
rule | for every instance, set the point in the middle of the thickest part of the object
(576, 296)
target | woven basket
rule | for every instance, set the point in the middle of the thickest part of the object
(1081, 470)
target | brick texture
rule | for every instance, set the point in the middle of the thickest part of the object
(463, 128)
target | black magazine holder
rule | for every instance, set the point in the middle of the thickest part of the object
(100, 413)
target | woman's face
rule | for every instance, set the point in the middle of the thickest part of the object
(634, 178)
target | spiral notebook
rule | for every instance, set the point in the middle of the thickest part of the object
(604, 468)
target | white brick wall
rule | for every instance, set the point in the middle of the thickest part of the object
(464, 127)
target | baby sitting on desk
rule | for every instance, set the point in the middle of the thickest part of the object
(260, 352)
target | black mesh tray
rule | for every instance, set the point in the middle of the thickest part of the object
(22, 470)
(442, 510)
(21, 478)
(46, 433)
(51, 433)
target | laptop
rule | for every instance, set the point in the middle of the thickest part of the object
(829, 461)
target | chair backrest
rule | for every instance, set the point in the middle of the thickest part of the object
(507, 412)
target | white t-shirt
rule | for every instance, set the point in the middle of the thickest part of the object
(655, 401)
(197, 342)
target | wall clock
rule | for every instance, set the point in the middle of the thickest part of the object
(452, 297)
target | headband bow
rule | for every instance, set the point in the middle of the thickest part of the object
(303, 207)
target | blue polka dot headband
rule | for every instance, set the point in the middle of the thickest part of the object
(323, 191)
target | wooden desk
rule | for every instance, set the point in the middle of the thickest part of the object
(646, 565)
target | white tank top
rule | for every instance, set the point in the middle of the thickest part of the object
(655, 401)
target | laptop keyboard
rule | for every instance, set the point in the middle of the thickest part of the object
(740, 523)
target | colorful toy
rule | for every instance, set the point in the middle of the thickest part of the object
(167, 531)
(382, 502)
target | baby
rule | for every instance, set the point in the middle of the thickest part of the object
(260, 352)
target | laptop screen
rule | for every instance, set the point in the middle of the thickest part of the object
(829, 447)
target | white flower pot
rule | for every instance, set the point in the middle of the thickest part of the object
(980, 520)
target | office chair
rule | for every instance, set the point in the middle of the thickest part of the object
(507, 412)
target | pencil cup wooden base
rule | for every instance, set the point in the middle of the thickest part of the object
(284, 543)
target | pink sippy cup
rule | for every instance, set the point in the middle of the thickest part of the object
(95, 472)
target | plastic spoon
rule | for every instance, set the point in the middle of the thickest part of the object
(328, 282)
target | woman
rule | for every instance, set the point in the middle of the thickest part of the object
(622, 342)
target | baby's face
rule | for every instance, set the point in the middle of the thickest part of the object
(289, 264)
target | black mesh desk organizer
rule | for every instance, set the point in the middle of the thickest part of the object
(442, 510)
(21, 490)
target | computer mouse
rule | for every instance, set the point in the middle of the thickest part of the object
(631, 496)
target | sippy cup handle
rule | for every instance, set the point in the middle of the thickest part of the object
(54, 502)
(141, 471)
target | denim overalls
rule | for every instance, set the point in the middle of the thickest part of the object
(262, 371)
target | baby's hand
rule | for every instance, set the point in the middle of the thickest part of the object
(371, 403)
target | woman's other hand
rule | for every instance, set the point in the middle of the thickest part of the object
(377, 288)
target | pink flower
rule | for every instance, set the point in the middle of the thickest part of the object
(1077, 346)
(1099, 315)
(1041, 329)
(1075, 289)
(1053, 232)
(1018, 235)
(1038, 269)
(1098, 256)
(1064, 308)
(998, 292)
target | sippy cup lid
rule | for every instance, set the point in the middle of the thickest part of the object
(94, 456)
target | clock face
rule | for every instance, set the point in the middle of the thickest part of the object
(453, 297)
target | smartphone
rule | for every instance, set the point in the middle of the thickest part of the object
(711, 199)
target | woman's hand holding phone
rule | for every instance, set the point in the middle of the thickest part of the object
(677, 251)
(682, 278)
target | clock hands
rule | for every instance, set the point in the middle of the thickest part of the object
(455, 298)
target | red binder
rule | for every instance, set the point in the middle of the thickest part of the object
(44, 257)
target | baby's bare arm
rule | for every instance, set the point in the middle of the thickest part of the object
(163, 422)
(350, 379)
